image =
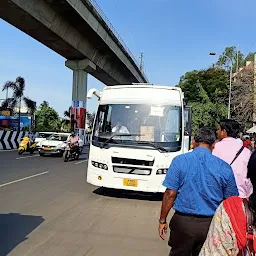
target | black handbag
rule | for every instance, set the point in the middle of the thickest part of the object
(248, 250)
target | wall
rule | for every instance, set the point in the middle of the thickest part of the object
(10, 139)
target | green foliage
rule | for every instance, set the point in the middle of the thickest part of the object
(214, 81)
(18, 89)
(235, 55)
(206, 114)
(47, 118)
(249, 57)
(66, 121)
(65, 126)
(206, 92)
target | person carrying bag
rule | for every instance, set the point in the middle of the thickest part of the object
(232, 231)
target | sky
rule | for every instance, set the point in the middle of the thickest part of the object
(174, 36)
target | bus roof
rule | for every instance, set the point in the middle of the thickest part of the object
(142, 85)
(142, 94)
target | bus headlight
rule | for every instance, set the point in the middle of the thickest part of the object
(100, 165)
(161, 171)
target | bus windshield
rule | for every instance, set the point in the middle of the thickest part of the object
(138, 124)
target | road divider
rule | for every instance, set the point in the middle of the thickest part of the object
(26, 178)
(11, 139)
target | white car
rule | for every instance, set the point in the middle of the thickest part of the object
(55, 144)
(42, 136)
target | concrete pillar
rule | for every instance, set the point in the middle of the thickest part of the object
(80, 69)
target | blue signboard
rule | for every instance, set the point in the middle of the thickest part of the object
(75, 103)
(25, 121)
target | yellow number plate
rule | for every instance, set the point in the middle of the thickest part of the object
(47, 149)
(130, 183)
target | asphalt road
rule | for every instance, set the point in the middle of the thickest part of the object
(47, 208)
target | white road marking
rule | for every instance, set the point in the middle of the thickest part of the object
(26, 178)
(82, 161)
(23, 157)
(7, 150)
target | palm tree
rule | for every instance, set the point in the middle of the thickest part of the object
(67, 120)
(67, 113)
(65, 123)
(67, 116)
(44, 104)
(18, 88)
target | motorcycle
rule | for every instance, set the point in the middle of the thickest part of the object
(70, 152)
(25, 147)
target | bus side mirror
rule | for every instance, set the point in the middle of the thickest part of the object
(94, 92)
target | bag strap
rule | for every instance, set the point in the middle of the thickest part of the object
(237, 154)
(249, 226)
(249, 217)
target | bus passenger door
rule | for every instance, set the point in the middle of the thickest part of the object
(187, 128)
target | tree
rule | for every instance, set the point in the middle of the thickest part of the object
(213, 80)
(242, 97)
(208, 114)
(67, 118)
(67, 113)
(47, 118)
(65, 123)
(249, 57)
(18, 88)
(206, 92)
(44, 104)
(90, 119)
(235, 55)
(205, 112)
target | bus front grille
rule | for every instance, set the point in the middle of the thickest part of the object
(128, 161)
(132, 170)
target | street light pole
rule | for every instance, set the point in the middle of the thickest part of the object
(230, 88)
(230, 81)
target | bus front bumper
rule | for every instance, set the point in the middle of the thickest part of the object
(126, 182)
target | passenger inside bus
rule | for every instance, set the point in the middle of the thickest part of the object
(119, 128)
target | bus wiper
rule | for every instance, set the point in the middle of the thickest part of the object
(152, 144)
(117, 134)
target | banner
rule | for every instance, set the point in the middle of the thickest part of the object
(78, 114)
(82, 118)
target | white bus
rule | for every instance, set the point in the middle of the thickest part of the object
(138, 130)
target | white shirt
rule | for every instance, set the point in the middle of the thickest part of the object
(239, 141)
(122, 129)
(31, 136)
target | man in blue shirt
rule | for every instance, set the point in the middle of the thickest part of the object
(196, 184)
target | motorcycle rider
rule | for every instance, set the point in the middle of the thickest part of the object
(73, 138)
(31, 139)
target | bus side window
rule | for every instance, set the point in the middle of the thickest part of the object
(187, 121)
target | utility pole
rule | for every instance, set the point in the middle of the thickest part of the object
(6, 93)
(141, 62)
(237, 60)
(254, 91)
